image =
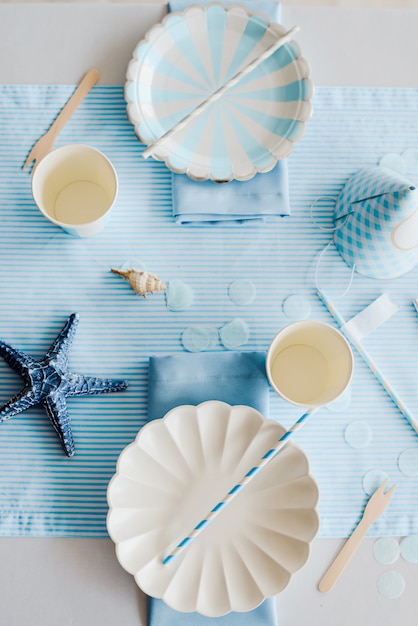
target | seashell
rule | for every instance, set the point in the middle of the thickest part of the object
(142, 282)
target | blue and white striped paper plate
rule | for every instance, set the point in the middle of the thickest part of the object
(189, 57)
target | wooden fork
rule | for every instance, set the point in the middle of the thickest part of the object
(46, 142)
(374, 509)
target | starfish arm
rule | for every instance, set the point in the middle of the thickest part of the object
(16, 359)
(59, 351)
(20, 402)
(57, 410)
(79, 385)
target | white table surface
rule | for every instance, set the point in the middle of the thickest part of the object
(78, 582)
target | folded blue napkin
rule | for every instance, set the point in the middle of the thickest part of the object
(192, 378)
(263, 198)
(159, 614)
(269, 7)
(233, 377)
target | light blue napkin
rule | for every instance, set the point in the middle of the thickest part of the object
(233, 377)
(159, 614)
(269, 7)
(263, 198)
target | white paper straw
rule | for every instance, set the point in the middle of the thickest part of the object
(219, 92)
(372, 365)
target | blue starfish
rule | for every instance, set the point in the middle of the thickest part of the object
(49, 383)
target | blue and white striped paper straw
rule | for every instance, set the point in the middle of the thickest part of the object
(238, 487)
(369, 361)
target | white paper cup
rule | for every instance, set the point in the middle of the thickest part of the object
(75, 187)
(309, 363)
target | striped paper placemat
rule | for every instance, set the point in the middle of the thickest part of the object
(45, 275)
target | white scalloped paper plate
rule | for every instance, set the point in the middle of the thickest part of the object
(177, 469)
(185, 59)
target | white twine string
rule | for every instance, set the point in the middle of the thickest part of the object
(329, 229)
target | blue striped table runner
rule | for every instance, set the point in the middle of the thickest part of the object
(46, 274)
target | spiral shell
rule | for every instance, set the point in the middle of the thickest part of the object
(142, 282)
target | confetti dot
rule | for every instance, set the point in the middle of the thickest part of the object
(342, 403)
(199, 338)
(296, 307)
(408, 462)
(386, 550)
(358, 434)
(242, 291)
(131, 264)
(394, 162)
(179, 296)
(409, 548)
(411, 161)
(391, 584)
(234, 334)
(372, 480)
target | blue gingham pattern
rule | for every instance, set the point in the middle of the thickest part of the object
(367, 211)
(45, 274)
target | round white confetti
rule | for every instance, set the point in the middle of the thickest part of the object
(198, 338)
(342, 403)
(296, 307)
(234, 334)
(386, 550)
(408, 462)
(411, 161)
(131, 264)
(242, 291)
(358, 434)
(178, 295)
(409, 548)
(394, 162)
(391, 584)
(372, 480)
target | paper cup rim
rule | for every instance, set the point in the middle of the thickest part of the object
(64, 148)
(302, 323)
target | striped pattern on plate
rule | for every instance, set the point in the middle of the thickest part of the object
(189, 57)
